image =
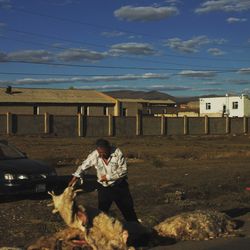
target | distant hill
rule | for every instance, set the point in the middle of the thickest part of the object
(152, 95)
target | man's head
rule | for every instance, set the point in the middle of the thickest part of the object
(103, 148)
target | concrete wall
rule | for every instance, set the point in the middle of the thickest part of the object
(196, 126)
(3, 124)
(65, 126)
(95, 126)
(124, 126)
(217, 125)
(151, 125)
(174, 126)
(24, 110)
(27, 124)
(236, 126)
(102, 126)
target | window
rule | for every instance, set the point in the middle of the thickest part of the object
(36, 110)
(124, 112)
(235, 105)
(208, 105)
(105, 111)
(224, 109)
(79, 109)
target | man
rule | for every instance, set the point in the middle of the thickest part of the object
(111, 168)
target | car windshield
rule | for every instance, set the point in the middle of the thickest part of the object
(8, 152)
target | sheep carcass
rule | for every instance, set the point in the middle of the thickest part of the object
(197, 225)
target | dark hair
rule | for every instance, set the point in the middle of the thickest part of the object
(102, 143)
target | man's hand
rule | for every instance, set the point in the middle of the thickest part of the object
(103, 178)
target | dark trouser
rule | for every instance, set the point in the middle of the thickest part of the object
(120, 194)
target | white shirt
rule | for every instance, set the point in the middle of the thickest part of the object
(114, 170)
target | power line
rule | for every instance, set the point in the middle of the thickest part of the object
(105, 46)
(56, 37)
(115, 67)
(98, 26)
(60, 74)
(122, 57)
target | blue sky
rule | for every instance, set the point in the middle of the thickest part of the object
(183, 48)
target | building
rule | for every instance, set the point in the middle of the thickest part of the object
(232, 106)
(131, 107)
(56, 102)
(194, 105)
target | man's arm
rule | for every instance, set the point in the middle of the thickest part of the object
(89, 162)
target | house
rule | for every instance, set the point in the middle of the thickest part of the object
(232, 106)
(131, 107)
(56, 102)
(195, 105)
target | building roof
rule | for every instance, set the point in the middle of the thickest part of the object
(146, 101)
(23, 95)
(225, 96)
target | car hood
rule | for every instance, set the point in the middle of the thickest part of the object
(24, 166)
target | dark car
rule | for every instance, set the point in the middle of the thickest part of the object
(18, 174)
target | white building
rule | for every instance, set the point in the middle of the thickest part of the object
(233, 106)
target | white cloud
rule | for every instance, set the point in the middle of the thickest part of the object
(94, 79)
(193, 73)
(3, 57)
(240, 81)
(31, 56)
(216, 52)
(223, 5)
(61, 2)
(113, 33)
(192, 45)
(236, 20)
(210, 89)
(2, 25)
(76, 54)
(210, 83)
(163, 87)
(132, 48)
(145, 13)
(244, 71)
(173, 2)
(105, 87)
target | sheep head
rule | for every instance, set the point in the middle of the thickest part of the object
(65, 205)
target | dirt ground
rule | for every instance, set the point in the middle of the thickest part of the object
(167, 175)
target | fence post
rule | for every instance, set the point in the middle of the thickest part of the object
(80, 124)
(46, 123)
(245, 123)
(206, 125)
(138, 124)
(163, 125)
(8, 123)
(185, 120)
(227, 124)
(111, 125)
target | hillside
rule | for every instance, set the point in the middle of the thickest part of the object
(152, 95)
